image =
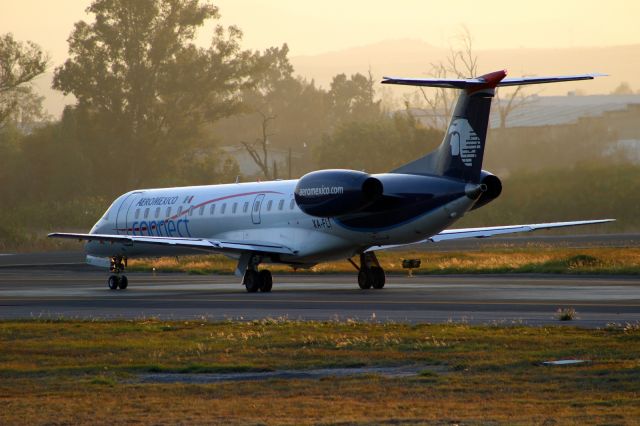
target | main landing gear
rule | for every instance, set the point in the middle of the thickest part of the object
(370, 273)
(255, 280)
(117, 280)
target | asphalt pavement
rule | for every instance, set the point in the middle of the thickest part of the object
(61, 285)
(82, 293)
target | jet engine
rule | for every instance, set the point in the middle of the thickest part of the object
(329, 193)
(492, 189)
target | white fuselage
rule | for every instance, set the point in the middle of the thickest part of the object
(255, 212)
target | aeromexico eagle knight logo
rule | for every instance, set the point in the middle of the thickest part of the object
(464, 141)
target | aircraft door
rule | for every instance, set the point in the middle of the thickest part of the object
(125, 213)
(255, 209)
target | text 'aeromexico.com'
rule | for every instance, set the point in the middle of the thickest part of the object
(322, 190)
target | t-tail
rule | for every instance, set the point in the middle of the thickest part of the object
(462, 150)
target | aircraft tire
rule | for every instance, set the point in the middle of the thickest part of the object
(266, 280)
(364, 279)
(123, 282)
(112, 282)
(251, 281)
(378, 276)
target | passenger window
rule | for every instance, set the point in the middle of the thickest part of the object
(269, 204)
(246, 207)
(157, 212)
(291, 204)
(201, 210)
(256, 206)
(137, 213)
(235, 207)
(179, 210)
(212, 210)
(168, 212)
(224, 207)
(280, 204)
(146, 212)
(191, 211)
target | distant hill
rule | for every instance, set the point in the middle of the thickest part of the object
(413, 58)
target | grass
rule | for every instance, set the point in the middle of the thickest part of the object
(566, 314)
(82, 372)
(602, 260)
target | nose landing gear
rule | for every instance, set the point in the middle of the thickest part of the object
(117, 267)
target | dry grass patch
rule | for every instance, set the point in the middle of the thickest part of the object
(85, 372)
(495, 260)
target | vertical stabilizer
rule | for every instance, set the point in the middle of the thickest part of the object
(462, 149)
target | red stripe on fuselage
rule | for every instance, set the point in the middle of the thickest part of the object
(197, 206)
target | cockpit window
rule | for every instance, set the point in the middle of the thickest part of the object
(113, 208)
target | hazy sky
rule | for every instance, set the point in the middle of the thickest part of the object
(311, 27)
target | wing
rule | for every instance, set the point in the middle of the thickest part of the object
(455, 234)
(201, 244)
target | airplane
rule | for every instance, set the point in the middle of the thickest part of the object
(326, 214)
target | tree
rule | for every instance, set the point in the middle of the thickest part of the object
(280, 112)
(20, 63)
(147, 88)
(259, 150)
(353, 99)
(623, 89)
(462, 62)
(376, 146)
(263, 99)
(511, 99)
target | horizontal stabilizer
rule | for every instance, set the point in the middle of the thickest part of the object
(487, 81)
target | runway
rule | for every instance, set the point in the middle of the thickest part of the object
(81, 292)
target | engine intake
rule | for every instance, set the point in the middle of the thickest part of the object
(329, 193)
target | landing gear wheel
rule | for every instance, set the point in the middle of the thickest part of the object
(251, 281)
(266, 280)
(377, 273)
(364, 279)
(112, 282)
(124, 282)
(370, 273)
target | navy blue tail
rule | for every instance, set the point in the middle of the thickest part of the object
(462, 149)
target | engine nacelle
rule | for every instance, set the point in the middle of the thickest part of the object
(492, 189)
(329, 193)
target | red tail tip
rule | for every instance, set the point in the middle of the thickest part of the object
(493, 78)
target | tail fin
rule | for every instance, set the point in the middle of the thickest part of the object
(462, 150)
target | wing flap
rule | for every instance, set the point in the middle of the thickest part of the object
(193, 243)
(456, 234)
